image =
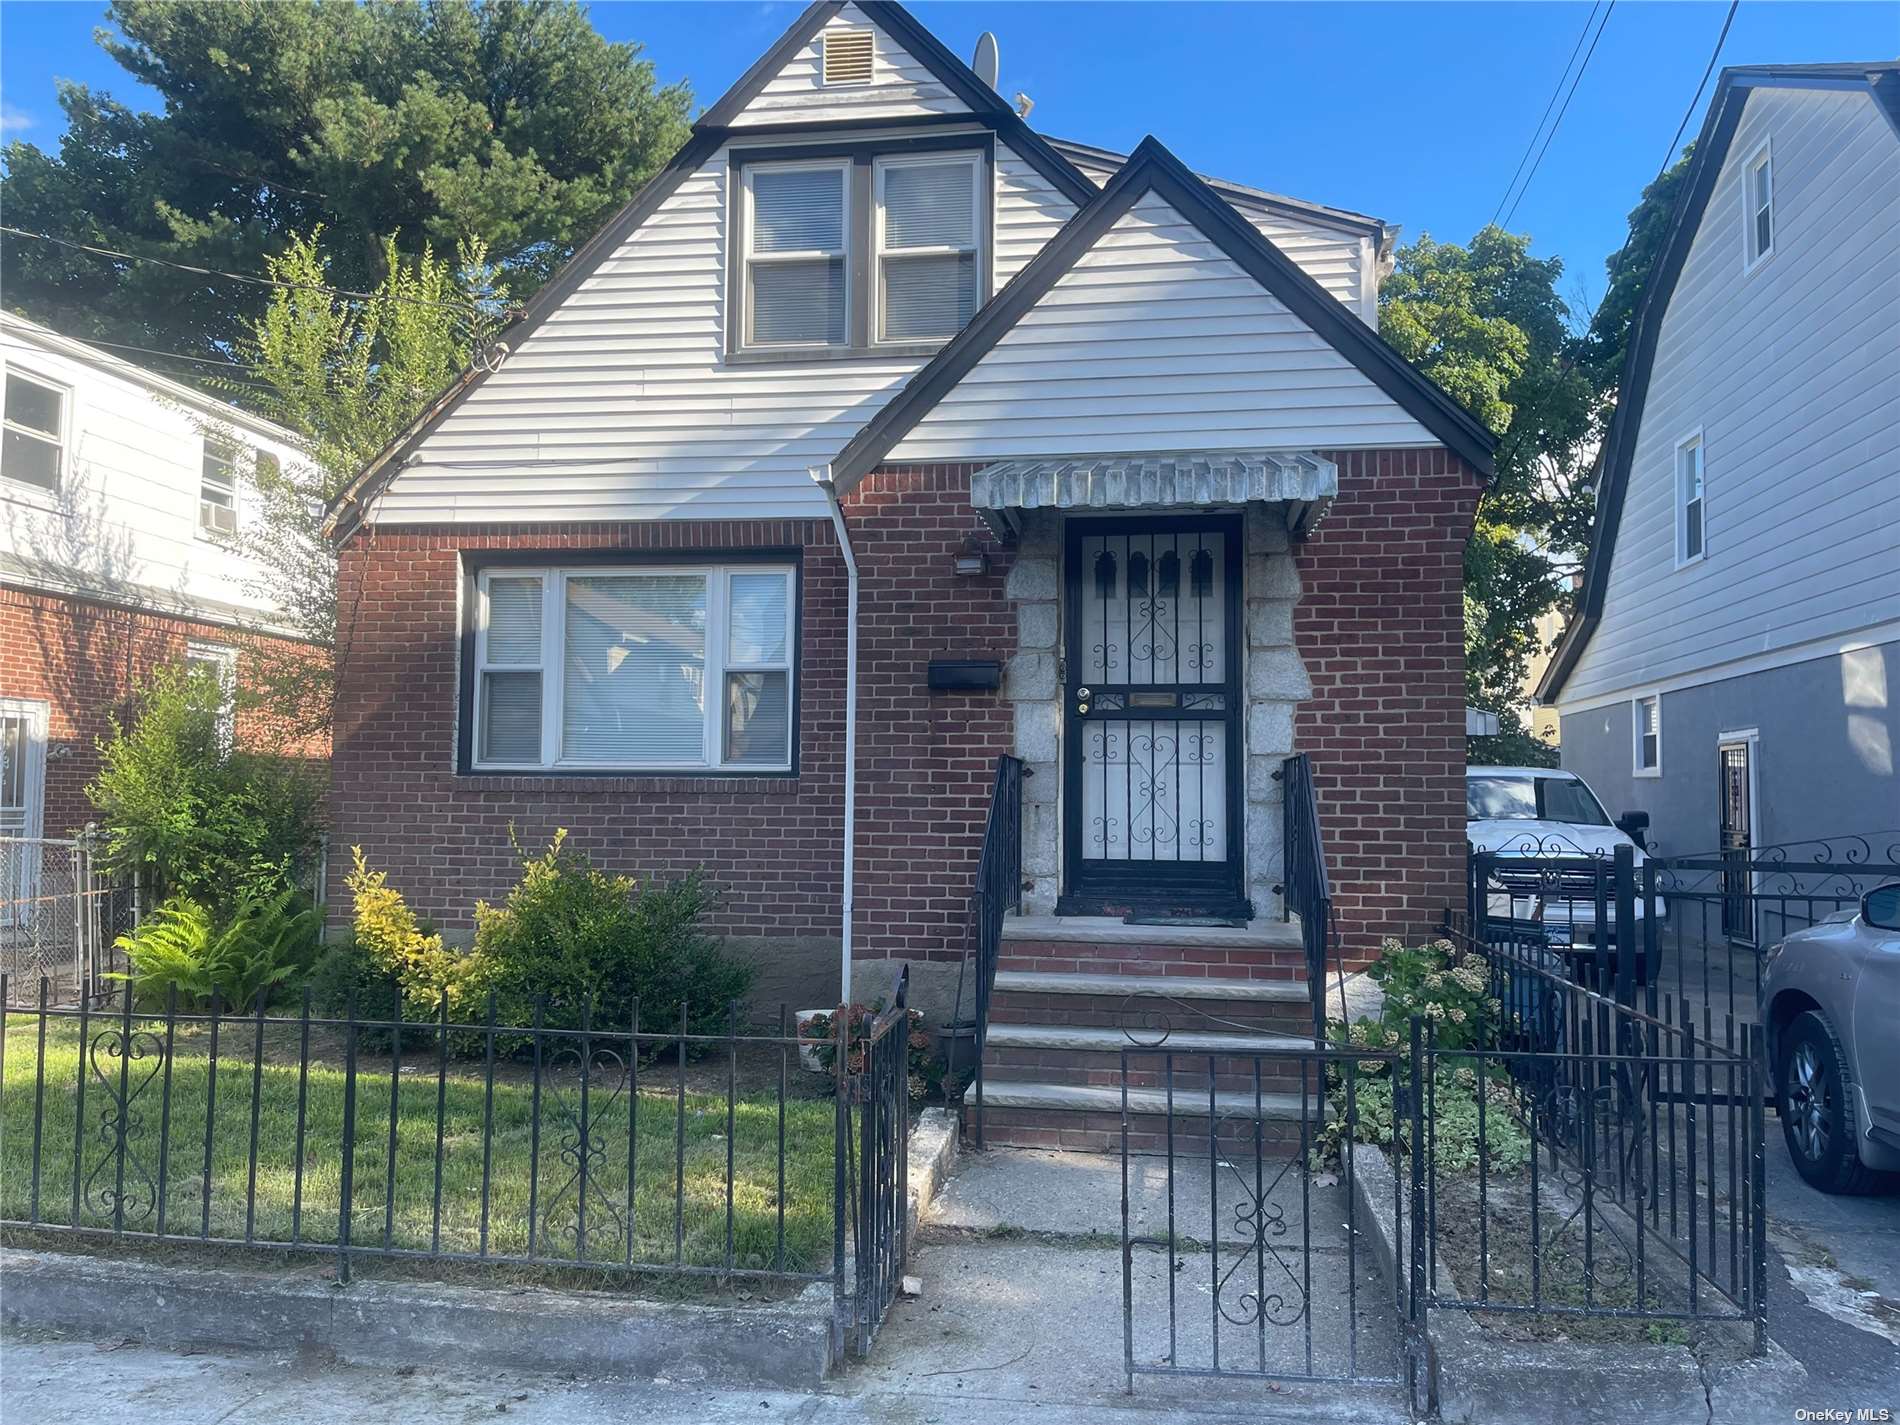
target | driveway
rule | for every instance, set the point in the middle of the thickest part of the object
(1834, 1280)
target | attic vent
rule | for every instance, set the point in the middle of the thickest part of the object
(848, 57)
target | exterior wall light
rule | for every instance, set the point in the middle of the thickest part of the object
(972, 561)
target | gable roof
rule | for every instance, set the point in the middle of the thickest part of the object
(1882, 82)
(1151, 168)
(712, 129)
(1241, 195)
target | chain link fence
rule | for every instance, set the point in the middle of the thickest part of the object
(59, 916)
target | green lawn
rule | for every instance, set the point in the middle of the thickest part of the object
(402, 1204)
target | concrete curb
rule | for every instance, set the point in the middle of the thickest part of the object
(1474, 1376)
(784, 1346)
(933, 1152)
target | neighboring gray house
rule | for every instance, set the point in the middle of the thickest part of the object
(1734, 669)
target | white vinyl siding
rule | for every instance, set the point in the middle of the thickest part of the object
(124, 522)
(1791, 378)
(899, 86)
(926, 245)
(1342, 261)
(622, 405)
(1157, 339)
(617, 668)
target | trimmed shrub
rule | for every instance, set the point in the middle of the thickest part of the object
(392, 946)
(576, 934)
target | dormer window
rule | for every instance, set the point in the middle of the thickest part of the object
(926, 247)
(848, 57)
(1758, 203)
(857, 248)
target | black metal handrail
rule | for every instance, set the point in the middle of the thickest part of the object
(1304, 888)
(998, 891)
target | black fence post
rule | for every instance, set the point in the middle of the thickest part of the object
(1419, 1301)
(347, 1189)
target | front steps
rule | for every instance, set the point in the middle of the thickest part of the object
(1191, 1006)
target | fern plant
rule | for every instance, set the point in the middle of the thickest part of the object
(263, 943)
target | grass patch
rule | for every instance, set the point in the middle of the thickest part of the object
(673, 1203)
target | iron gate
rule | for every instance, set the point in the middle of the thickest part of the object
(1246, 1246)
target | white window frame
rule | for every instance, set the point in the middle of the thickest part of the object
(223, 659)
(973, 160)
(1761, 160)
(1637, 769)
(1680, 501)
(233, 454)
(554, 580)
(749, 258)
(62, 444)
(34, 713)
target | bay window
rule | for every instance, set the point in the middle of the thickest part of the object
(628, 668)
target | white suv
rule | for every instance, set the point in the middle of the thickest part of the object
(1528, 814)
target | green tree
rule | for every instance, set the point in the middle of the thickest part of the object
(1485, 321)
(511, 122)
(347, 375)
(1607, 342)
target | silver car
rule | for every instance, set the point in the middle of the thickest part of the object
(1830, 998)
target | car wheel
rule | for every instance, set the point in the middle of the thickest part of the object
(1814, 1095)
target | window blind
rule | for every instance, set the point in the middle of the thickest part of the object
(928, 296)
(798, 301)
(514, 621)
(927, 292)
(756, 624)
(798, 210)
(634, 670)
(929, 205)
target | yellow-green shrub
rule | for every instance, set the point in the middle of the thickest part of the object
(426, 968)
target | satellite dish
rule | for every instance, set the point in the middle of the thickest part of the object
(985, 61)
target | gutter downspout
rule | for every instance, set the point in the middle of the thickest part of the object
(822, 475)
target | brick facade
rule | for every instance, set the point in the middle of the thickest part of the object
(1380, 627)
(85, 659)
(771, 842)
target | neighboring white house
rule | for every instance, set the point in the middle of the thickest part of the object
(119, 491)
(1735, 668)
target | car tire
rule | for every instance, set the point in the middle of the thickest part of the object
(1814, 1095)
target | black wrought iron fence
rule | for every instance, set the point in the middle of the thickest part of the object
(997, 892)
(613, 1145)
(1615, 1166)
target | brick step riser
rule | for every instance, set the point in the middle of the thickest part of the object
(1119, 1011)
(1147, 1134)
(1206, 962)
(1188, 1063)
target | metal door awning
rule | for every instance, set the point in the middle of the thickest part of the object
(1181, 481)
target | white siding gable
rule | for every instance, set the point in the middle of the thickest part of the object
(1345, 263)
(1156, 339)
(123, 522)
(899, 87)
(622, 406)
(1791, 371)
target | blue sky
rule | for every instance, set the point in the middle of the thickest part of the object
(1417, 113)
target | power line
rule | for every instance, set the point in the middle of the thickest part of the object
(1714, 55)
(1549, 104)
(1558, 121)
(1670, 157)
(460, 308)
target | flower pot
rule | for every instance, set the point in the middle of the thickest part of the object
(808, 1050)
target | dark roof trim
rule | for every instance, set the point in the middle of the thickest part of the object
(1245, 196)
(1619, 447)
(1153, 168)
(709, 132)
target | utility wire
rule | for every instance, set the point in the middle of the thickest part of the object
(1549, 104)
(461, 308)
(1558, 121)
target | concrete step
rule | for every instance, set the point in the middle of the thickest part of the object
(1088, 1118)
(1056, 982)
(1104, 1040)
